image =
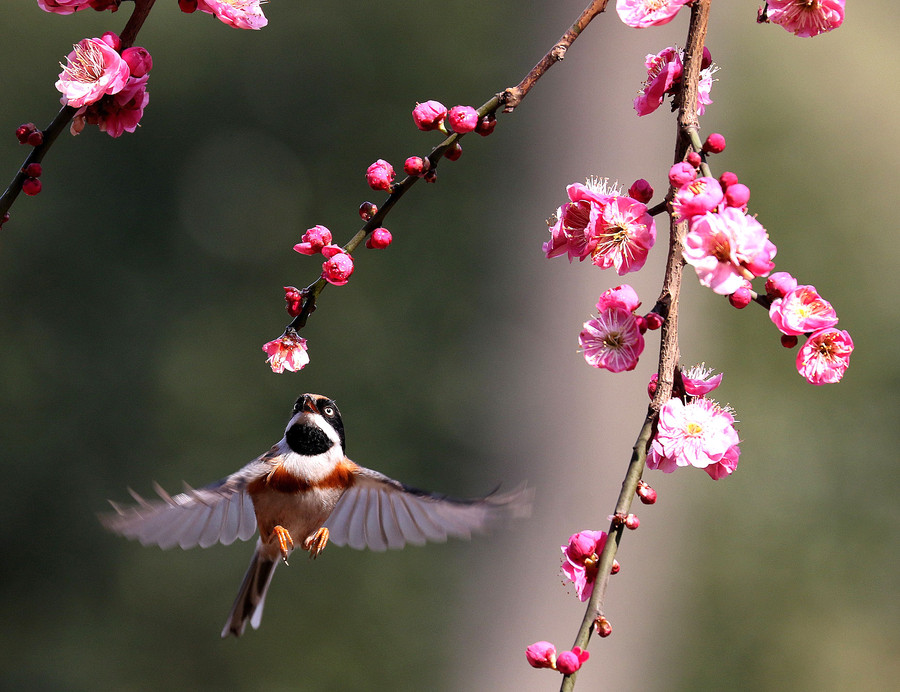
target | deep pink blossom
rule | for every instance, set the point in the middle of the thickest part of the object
(288, 352)
(313, 240)
(643, 13)
(92, 71)
(337, 269)
(699, 380)
(699, 433)
(63, 6)
(429, 115)
(568, 662)
(825, 356)
(664, 72)
(802, 310)
(541, 655)
(462, 119)
(727, 247)
(612, 340)
(682, 173)
(623, 296)
(241, 14)
(581, 557)
(139, 60)
(624, 235)
(697, 197)
(380, 175)
(577, 227)
(122, 111)
(779, 283)
(806, 18)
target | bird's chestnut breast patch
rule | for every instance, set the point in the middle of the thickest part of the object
(307, 439)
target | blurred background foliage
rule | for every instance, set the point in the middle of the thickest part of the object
(137, 289)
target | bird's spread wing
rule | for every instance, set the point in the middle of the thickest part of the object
(217, 513)
(377, 512)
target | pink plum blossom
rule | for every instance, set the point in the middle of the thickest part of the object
(429, 115)
(699, 433)
(682, 173)
(313, 240)
(697, 197)
(241, 14)
(63, 6)
(664, 71)
(337, 269)
(726, 247)
(462, 119)
(625, 234)
(576, 228)
(806, 18)
(779, 283)
(802, 310)
(288, 352)
(726, 465)
(380, 175)
(623, 296)
(93, 70)
(643, 13)
(581, 556)
(699, 380)
(541, 655)
(825, 356)
(612, 340)
(122, 111)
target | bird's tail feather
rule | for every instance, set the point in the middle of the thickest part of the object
(248, 606)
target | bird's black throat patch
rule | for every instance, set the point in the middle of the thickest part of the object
(307, 439)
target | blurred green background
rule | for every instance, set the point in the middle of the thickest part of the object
(137, 289)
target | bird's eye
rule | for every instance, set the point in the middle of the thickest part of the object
(328, 411)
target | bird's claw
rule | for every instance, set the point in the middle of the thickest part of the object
(285, 542)
(316, 543)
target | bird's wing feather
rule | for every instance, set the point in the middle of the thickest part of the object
(221, 512)
(378, 513)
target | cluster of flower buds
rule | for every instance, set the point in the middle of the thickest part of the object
(434, 115)
(241, 14)
(28, 133)
(108, 87)
(543, 655)
(338, 265)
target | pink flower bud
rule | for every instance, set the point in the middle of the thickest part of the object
(313, 240)
(681, 174)
(741, 298)
(112, 40)
(570, 661)
(4, 219)
(23, 131)
(641, 191)
(632, 522)
(616, 568)
(789, 340)
(714, 144)
(31, 186)
(367, 210)
(35, 139)
(337, 269)
(454, 152)
(694, 159)
(430, 175)
(428, 115)
(486, 125)
(462, 119)
(653, 320)
(707, 58)
(727, 179)
(138, 59)
(652, 385)
(737, 195)
(646, 494)
(415, 165)
(541, 655)
(293, 298)
(602, 627)
(33, 170)
(330, 251)
(780, 284)
(380, 175)
(379, 239)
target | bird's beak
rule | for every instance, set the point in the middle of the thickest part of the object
(308, 404)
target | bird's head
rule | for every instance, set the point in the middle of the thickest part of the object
(315, 426)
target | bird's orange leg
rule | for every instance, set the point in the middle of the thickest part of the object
(316, 543)
(285, 542)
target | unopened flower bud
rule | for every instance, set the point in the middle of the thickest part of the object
(462, 119)
(646, 494)
(737, 195)
(779, 284)
(653, 320)
(727, 179)
(428, 115)
(570, 661)
(641, 324)
(641, 191)
(379, 239)
(681, 174)
(788, 340)
(632, 522)
(616, 568)
(380, 175)
(35, 139)
(602, 627)
(314, 240)
(31, 186)
(707, 58)
(541, 655)
(293, 298)
(694, 159)
(138, 59)
(714, 144)
(4, 219)
(741, 298)
(367, 210)
(415, 165)
(430, 175)
(486, 125)
(187, 6)
(454, 152)
(337, 269)
(23, 130)
(33, 170)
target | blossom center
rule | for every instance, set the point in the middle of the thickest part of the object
(614, 340)
(87, 66)
(693, 429)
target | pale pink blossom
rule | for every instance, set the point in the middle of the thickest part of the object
(727, 247)
(698, 433)
(664, 72)
(624, 235)
(643, 13)
(569, 662)
(541, 655)
(698, 197)
(802, 310)
(288, 352)
(241, 14)
(806, 18)
(93, 70)
(581, 558)
(63, 6)
(612, 340)
(825, 356)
